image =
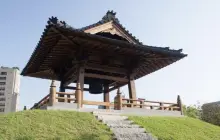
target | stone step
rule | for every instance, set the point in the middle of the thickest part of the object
(111, 117)
(106, 113)
(123, 125)
(119, 122)
(127, 130)
(122, 128)
(134, 136)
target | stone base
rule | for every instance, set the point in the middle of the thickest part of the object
(124, 111)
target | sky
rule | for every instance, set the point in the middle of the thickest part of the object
(193, 26)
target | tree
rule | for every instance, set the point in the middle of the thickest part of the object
(25, 108)
(193, 111)
(211, 113)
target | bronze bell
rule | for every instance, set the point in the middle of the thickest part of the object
(96, 86)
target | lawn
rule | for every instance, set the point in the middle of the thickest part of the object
(184, 128)
(52, 125)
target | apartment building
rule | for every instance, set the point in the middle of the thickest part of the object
(9, 89)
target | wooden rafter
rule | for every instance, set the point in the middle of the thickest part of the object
(99, 76)
(106, 68)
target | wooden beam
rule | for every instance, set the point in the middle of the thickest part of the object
(99, 76)
(115, 83)
(74, 88)
(72, 73)
(106, 68)
(80, 52)
(69, 40)
(116, 87)
(96, 103)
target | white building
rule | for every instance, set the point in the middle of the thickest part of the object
(9, 89)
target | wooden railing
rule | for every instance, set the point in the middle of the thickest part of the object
(149, 104)
(106, 104)
(42, 102)
(119, 101)
(67, 97)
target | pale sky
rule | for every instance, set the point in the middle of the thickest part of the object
(193, 26)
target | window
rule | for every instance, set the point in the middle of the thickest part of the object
(2, 99)
(2, 83)
(2, 104)
(2, 94)
(2, 78)
(2, 109)
(2, 88)
(3, 73)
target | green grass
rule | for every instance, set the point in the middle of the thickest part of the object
(52, 125)
(184, 128)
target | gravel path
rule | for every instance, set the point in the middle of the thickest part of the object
(122, 128)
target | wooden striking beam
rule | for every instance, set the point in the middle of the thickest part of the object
(91, 75)
(106, 68)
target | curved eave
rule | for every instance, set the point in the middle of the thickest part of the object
(67, 31)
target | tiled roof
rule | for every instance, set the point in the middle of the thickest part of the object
(63, 24)
(53, 22)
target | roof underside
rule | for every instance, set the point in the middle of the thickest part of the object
(62, 49)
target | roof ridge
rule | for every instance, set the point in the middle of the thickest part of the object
(55, 21)
(111, 16)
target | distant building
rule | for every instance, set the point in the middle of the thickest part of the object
(9, 89)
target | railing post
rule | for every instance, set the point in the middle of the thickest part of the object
(78, 95)
(161, 106)
(115, 102)
(52, 98)
(119, 100)
(180, 105)
(141, 103)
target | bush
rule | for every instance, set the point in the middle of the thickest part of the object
(211, 113)
(193, 111)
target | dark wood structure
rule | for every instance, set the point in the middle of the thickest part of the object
(103, 55)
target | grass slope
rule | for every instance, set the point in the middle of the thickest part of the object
(48, 125)
(184, 128)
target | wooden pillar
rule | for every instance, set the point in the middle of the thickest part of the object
(131, 89)
(106, 95)
(180, 105)
(119, 98)
(52, 98)
(78, 95)
(80, 80)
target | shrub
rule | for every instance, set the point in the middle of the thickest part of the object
(211, 113)
(193, 111)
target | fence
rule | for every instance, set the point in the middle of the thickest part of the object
(119, 101)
